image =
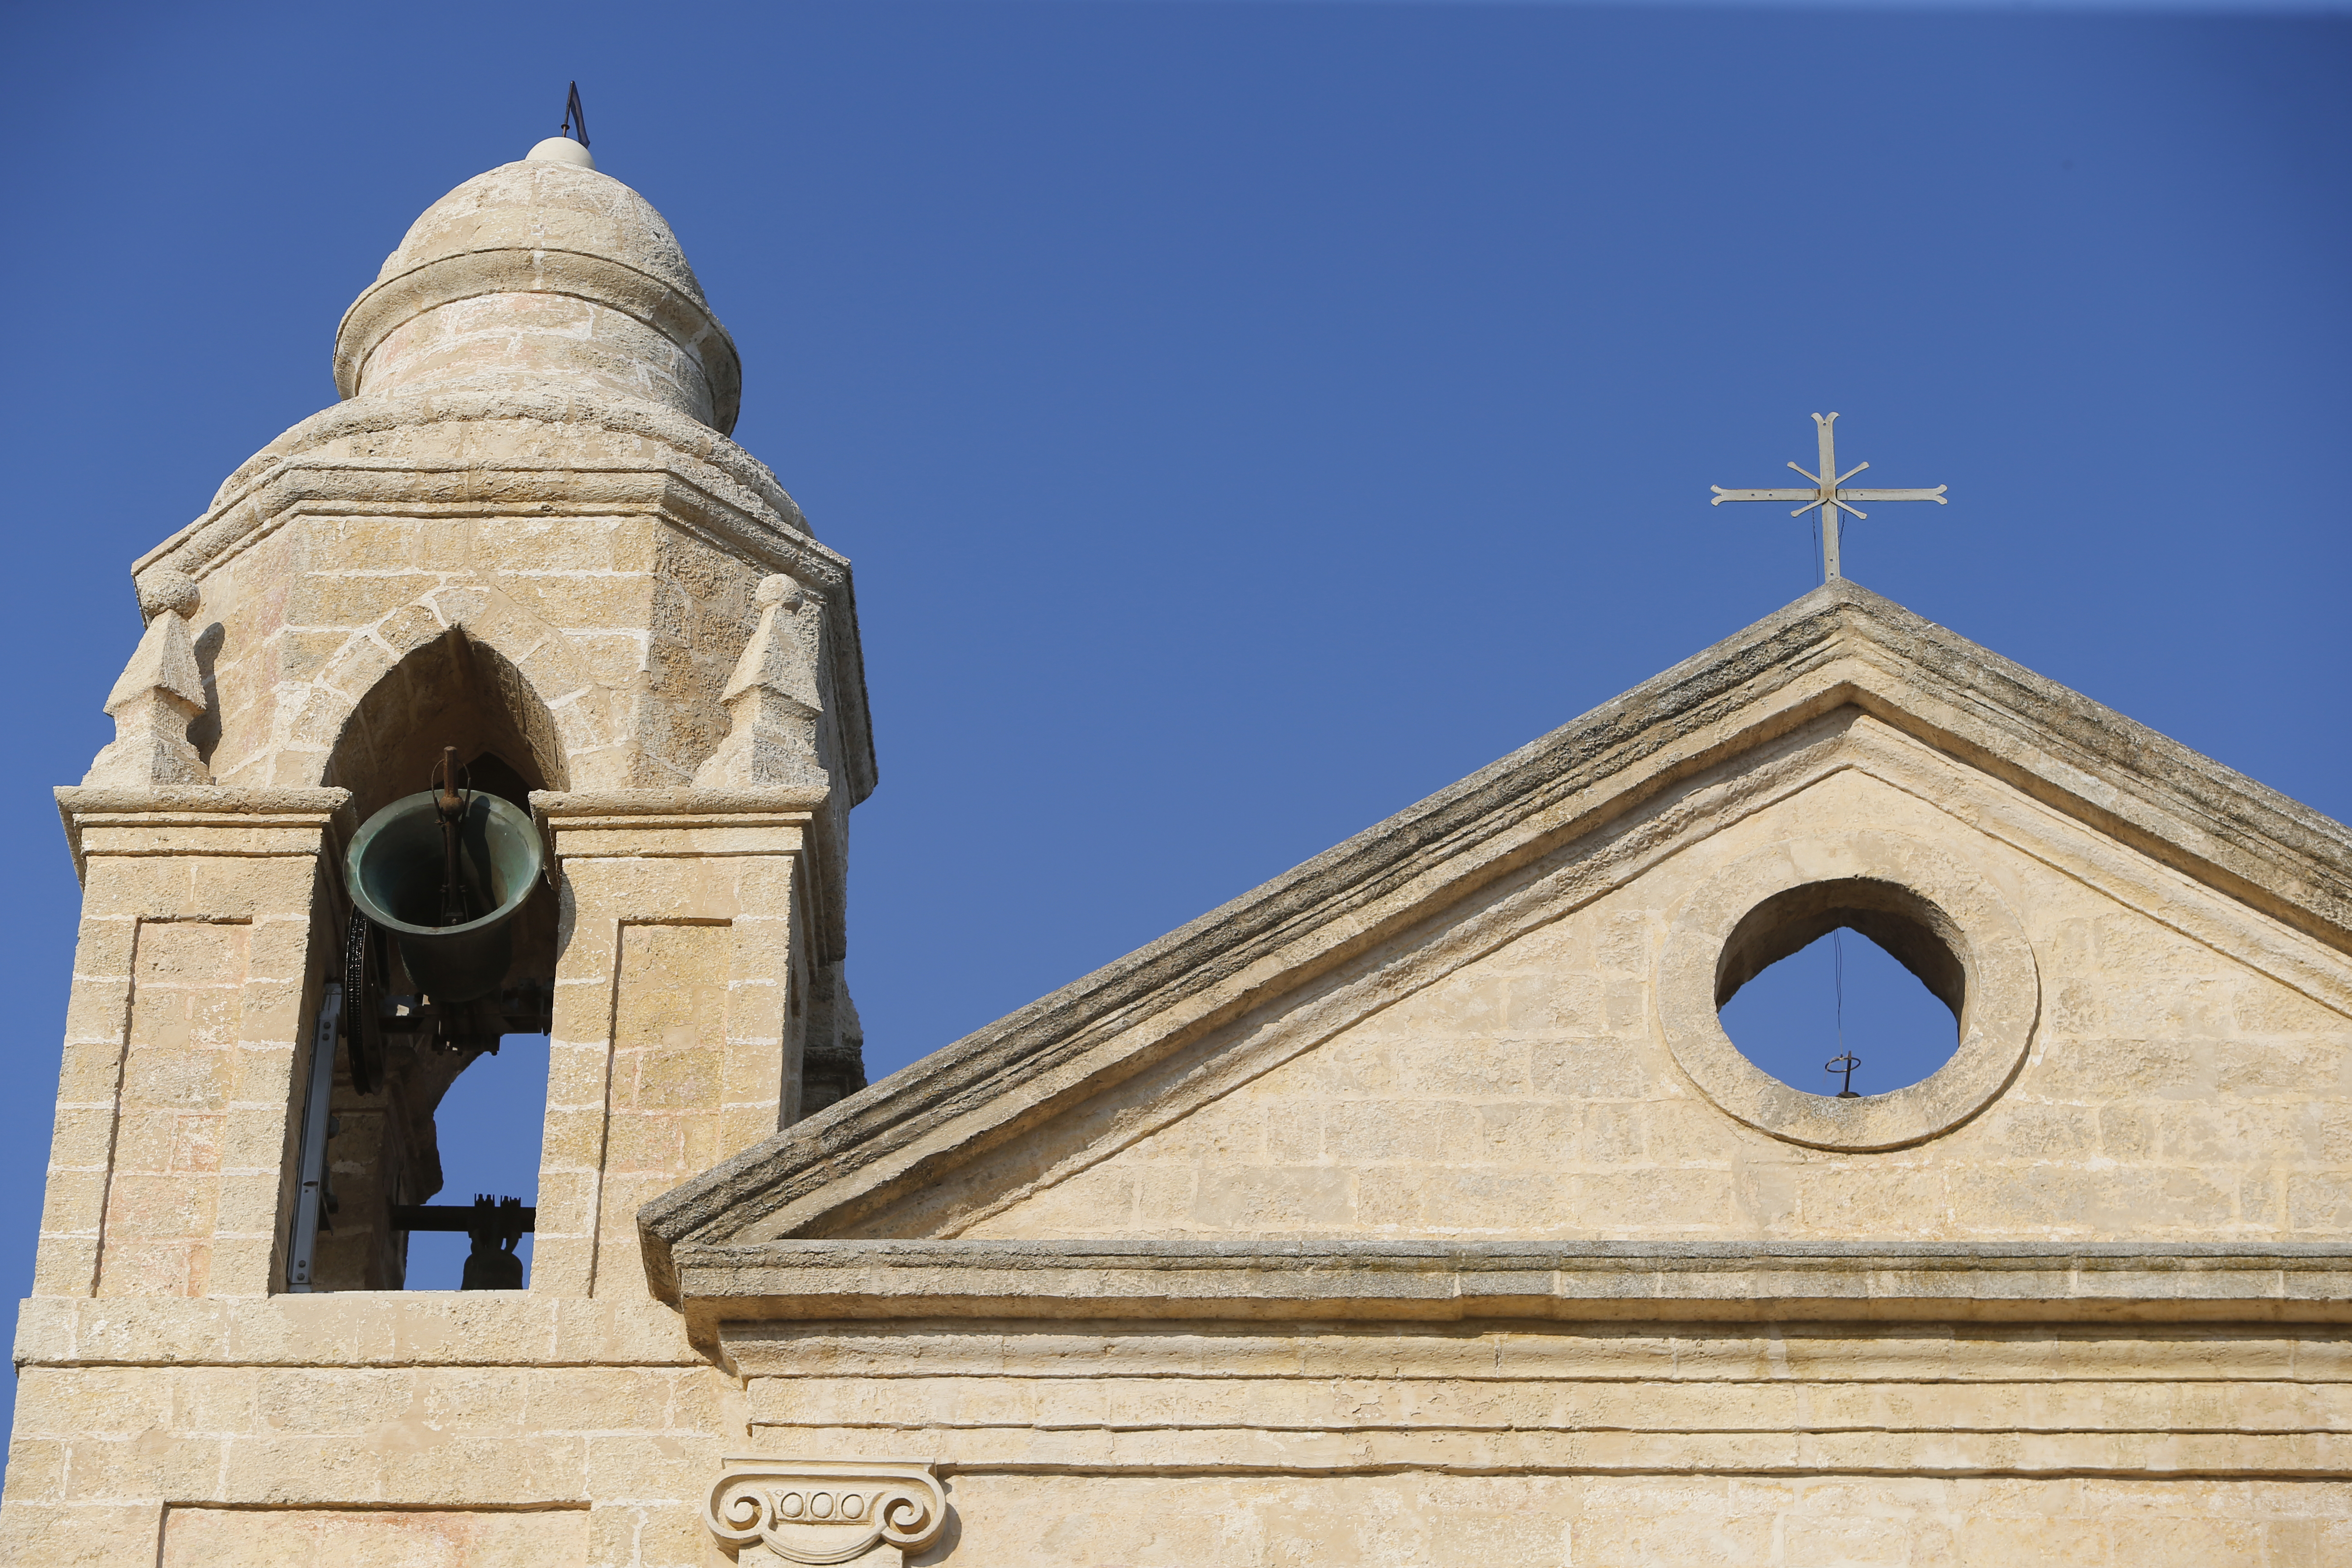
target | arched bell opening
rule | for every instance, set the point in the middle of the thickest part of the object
(446, 926)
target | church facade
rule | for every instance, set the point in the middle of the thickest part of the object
(1414, 1208)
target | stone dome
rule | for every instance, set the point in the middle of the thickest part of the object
(541, 274)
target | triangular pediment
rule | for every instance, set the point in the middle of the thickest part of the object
(1842, 737)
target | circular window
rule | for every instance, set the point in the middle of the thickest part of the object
(1943, 923)
(1844, 985)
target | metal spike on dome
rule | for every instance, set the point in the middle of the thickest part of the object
(575, 119)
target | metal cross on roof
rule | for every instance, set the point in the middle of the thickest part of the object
(1829, 495)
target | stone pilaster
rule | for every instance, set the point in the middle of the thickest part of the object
(196, 978)
(681, 1004)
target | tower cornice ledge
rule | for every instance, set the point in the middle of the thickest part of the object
(523, 490)
(436, 427)
(183, 807)
(678, 807)
(704, 824)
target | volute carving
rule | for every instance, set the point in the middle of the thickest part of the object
(825, 1510)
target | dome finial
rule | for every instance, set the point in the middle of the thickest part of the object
(562, 147)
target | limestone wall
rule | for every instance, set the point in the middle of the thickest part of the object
(174, 1406)
(681, 1014)
(1647, 1521)
(408, 1430)
(608, 554)
(1617, 1445)
(2188, 1078)
(538, 1433)
(192, 991)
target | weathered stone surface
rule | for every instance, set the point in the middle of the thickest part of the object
(1641, 1522)
(1490, 1086)
(774, 699)
(1640, 1282)
(527, 459)
(198, 1537)
(613, 588)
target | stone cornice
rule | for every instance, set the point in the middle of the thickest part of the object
(676, 807)
(348, 1328)
(343, 488)
(1574, 1281)
(189, 809)
(561, 410)
(639, 824)
(1839, 647)
(703, 824)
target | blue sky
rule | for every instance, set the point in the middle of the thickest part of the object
(1246, 419)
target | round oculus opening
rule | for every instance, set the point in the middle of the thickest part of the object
(1842, 988)
(1937, 917)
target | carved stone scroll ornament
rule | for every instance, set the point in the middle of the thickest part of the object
(823, 1511)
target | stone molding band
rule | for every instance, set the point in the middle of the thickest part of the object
(599, 279)
(2001, 985)
(682, 808)
(324, 812)
(289, 469)
(1558, 1281)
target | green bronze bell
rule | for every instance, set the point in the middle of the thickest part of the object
(446, 871)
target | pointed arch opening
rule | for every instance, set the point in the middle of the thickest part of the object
(457, 686)
(437, 1100)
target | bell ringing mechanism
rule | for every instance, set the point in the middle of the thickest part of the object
(438, 880)
(496, 1226)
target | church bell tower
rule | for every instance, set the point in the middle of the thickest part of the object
(507, 695)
